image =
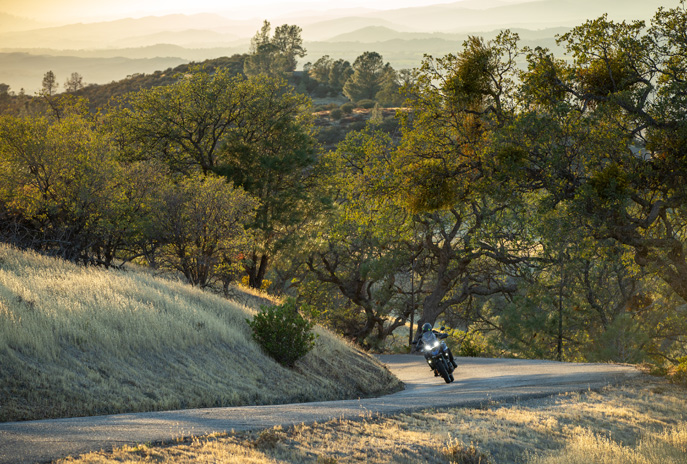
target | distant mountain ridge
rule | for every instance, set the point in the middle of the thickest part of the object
(536, 14)
(11, 23)
(459, 17)
(120, 32)
(24, 71)
(325, 30)
(402, 35)
(374, 34)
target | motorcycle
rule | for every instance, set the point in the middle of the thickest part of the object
(436, 355)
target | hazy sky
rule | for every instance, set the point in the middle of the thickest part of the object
(77, 10)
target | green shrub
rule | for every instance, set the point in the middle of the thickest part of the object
(321, 91)
(623, 341)
(347, 108)
(367, 104)
(283, 332)
(331, 135)
(356, 126)
(336, 114)
(470, 344)
(390, 125)
(679, 374)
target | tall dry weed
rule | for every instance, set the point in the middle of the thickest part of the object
(587, 447)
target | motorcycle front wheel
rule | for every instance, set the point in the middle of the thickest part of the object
(443, 371)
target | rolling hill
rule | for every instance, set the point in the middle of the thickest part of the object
(537, 14)
(77, 341)
(112, 34)
(26, 71)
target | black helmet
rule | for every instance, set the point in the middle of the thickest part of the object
(426, 327)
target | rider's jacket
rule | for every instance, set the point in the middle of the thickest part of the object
(428, 338)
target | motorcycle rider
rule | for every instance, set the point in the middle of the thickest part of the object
(430, 336)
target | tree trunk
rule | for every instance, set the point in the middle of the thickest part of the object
(256, 272)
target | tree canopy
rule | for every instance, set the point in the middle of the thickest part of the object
(274, 55)
(536, 199)
(255, 131)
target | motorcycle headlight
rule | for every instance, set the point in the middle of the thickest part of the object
(429, 347)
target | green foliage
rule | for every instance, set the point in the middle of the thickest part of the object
(366, 104)
(620, 166)
(541, 82)
(182, 124)
(62, 184)
(256, 132)
(73, 192)
(562, 184)
(379, 225)
(283, 332)
(610, 182)
(49, 84)
(331, 135)
(389, 94)
(390, 126)
(356, 126)
(471, 343)
(679, 373)
(433, 188)
(276, 55)
(471, 82)
(319, 71)
(368, 76)
(347, 108)
(99, 96)
(329, 75)
(623, 341)
(359, 247)
(339, 73)
(376, 115)
(447, 142)
(201, 222)
(606, 56)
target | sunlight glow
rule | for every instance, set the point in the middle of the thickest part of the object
(88, 10)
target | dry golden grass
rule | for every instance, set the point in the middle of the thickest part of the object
(80, 341)
(640, 423)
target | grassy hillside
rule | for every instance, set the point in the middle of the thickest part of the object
(80, 341)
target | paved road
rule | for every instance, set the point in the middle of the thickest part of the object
(476, 381)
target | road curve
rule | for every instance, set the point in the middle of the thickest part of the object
(477, 381)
